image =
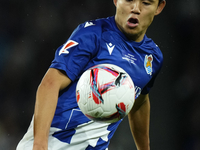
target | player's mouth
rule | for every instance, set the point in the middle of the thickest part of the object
(132, 22)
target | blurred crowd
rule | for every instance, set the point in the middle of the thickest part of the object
(31, 31)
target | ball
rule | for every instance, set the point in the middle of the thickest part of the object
(105, 93)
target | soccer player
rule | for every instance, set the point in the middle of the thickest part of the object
(58, 123)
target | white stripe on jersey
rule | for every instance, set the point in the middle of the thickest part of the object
(86, 134)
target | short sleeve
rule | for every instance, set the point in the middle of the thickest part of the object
(74, 55)
(147, 88)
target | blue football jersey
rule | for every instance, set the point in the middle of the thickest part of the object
(92, 43)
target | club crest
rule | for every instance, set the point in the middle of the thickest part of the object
(148, 64)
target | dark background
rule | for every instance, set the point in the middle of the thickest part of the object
(31, 31)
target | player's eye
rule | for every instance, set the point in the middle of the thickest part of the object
(146, 3)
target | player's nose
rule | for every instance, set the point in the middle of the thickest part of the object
(135, 8)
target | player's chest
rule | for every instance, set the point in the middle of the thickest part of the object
(137, 63)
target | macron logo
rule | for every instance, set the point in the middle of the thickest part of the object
(87, 24)
(66, 46)
(110, 47)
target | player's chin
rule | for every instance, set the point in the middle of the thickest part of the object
(131, 30)
(131, 34)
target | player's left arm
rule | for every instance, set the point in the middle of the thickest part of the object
(139, 118)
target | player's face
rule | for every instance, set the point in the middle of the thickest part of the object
(133, 17)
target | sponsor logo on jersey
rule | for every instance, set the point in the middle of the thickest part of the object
(66, 46)
(110, 47)
(87, 24)
(148, 64)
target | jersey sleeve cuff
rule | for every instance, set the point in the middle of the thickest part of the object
(63, 67)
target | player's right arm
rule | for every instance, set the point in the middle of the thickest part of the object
(45, 106)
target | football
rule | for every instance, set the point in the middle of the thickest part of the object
(105, 93)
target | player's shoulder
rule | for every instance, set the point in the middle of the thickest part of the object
(149, 44)
(96, 26)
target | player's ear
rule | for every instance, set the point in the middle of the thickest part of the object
(160, 7)
(115, 2)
